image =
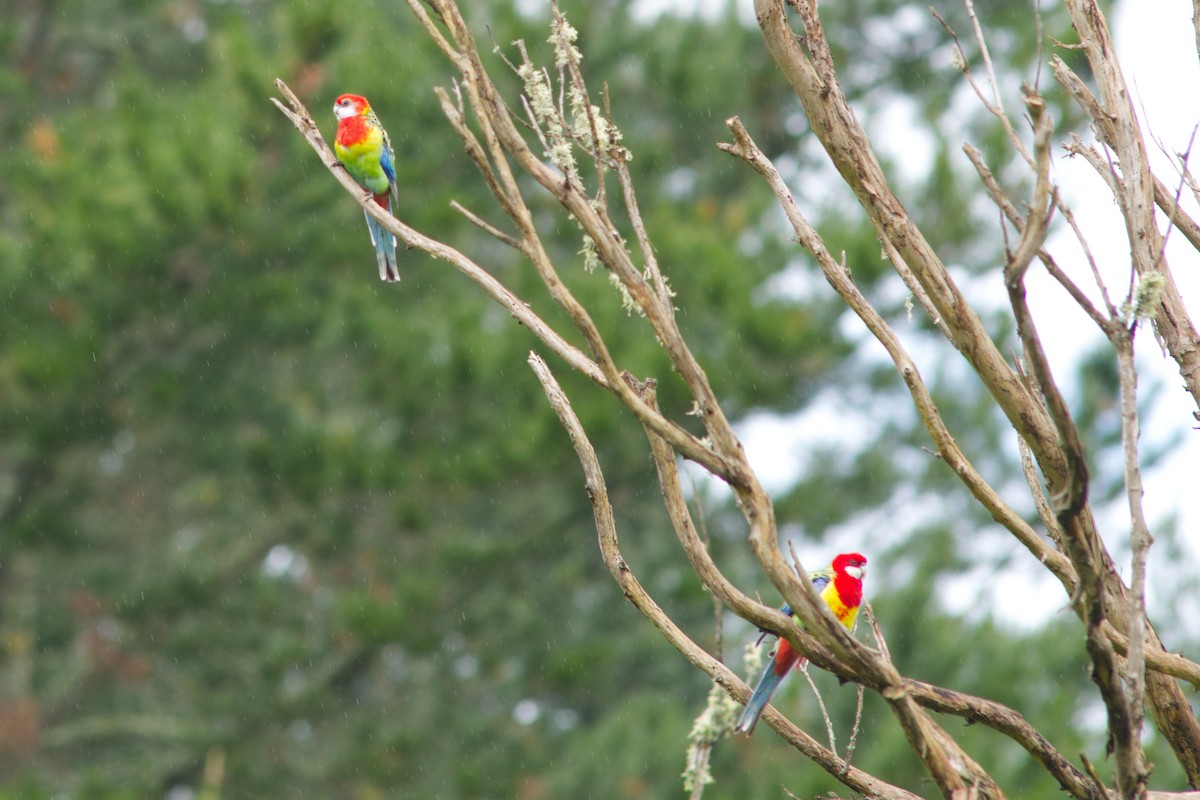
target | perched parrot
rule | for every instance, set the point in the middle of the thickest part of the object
(840, 586)
(363, 147)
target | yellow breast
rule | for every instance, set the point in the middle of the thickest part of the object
(845, 614)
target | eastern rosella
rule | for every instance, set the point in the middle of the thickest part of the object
(363, 147)
(840, 586)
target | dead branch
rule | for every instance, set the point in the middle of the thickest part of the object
(1116, 124)
(1114, 616)
(519, 309)
(809, 70)
(852, 777)
(938, 751)
(838, 277)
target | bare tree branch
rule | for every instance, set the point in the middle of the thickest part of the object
(1009, 209)
(1157, 659)
(1140, 539)
(809, 70)
(838, 277)
(1124, 649)
(1196, 22)
(519, 309)
(1117, 125)
(852, 777)
(938, 751)
(484, 225)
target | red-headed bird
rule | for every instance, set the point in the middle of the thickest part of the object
(363, 147)
(840, 586)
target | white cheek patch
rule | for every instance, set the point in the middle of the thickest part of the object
(856, 572)
(341, 112)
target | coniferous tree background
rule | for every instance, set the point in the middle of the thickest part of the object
(272, 527)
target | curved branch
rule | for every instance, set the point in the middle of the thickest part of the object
(949, 765)
(727, 455)
(1012, 724)
(605, 373)
(515, 306)
(811, 75)
(1116, 124)
(994, 715)
(851, 776)
(838, 277)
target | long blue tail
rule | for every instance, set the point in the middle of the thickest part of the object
(385, 250)
(767, 685)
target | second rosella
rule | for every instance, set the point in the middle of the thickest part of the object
(363, 147)
(840, 586)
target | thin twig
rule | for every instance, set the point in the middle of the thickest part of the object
(880, 642)
(824, 711)
(995, 104)
(914, 286)
(1140, 538)
(1183, 181)
(858, 707)
(1009, 209)
(718, 615)
(485, 226)
(664, 293)
(1045, 513)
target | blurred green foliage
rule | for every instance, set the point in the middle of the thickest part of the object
(273, 528)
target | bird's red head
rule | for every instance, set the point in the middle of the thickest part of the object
(350, 105)
(848, 572)
(852, 564)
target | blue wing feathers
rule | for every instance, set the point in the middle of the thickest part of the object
(385, 161)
